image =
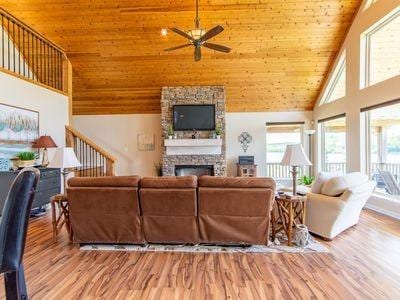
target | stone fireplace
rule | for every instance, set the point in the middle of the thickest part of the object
(191, 153)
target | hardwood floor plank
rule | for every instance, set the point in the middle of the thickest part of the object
(363, 263)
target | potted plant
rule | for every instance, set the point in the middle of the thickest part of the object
(26, 159)
(306, 180)
(158, 169)
(170, 132)
(218, 131)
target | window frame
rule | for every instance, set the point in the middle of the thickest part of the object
(333, 80)
(321, 143)
(365, 51)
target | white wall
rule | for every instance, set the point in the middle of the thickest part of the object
(255, 124)
(357, 98)
(118, 135)
(52, 106)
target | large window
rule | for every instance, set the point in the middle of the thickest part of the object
(383, 147)
(336, 87)
(278, 136)
(333, 144)
(381, 50)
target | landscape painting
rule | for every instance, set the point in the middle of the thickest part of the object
(19, 129)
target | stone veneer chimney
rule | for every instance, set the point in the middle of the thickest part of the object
(171, 96)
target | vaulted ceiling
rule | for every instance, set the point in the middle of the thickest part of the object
(282, 50)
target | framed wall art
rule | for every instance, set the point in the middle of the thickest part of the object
(19, 129)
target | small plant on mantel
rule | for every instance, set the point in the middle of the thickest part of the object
(218, 131)
(170, 131)
(158, 169)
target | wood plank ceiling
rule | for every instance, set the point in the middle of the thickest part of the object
(282, 50)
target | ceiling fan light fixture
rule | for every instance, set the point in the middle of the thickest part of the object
(196, 33)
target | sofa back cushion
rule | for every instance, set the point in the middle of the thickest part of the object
(337, 185)
(106, 181)
(236, 182)
(321, 179)
(175, 182)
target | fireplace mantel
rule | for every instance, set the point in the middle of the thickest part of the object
(193, 146)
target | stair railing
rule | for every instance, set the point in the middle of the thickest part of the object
(96, 162)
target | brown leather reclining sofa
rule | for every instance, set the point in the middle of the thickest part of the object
(187, 210)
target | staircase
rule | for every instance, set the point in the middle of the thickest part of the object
(95, 161)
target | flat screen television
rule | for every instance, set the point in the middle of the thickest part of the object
(194, 117)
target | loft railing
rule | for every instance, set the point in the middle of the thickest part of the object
(26, 53)
(95, 161)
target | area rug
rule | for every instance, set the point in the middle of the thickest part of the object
(279, 246)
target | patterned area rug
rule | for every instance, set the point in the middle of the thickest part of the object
(279, 246)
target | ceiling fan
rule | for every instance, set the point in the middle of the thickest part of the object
(198, 37)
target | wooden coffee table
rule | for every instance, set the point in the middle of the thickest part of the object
(289, 210)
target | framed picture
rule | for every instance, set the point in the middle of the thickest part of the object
(19, 129)
(146, 142)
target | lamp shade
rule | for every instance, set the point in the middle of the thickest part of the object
(295, 156)
(45, 141)
(64, 158)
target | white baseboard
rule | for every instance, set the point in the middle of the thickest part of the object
(381, 210)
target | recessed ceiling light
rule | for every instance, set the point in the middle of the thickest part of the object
(164, 31)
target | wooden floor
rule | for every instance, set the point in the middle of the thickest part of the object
(363, 263)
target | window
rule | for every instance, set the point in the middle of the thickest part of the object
(383, 147)
(336, 87)
(278, 136)
(380, 52)
(333, 144)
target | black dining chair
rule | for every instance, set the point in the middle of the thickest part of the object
(13, 229)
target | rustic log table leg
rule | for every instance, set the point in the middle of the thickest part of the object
(290, 224)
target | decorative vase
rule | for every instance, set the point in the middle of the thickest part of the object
(218, 137)
(26, 163)
(170, 137)
(301, 235)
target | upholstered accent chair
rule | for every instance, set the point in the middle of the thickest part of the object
(335, 202)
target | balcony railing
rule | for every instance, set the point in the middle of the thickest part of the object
(276, 170)
(28, 54)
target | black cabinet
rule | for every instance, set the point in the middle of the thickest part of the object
(49, 185)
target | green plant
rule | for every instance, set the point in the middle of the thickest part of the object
(26, 156)
(170, 130)
(306, 180)
(218, 130)
(158, 168)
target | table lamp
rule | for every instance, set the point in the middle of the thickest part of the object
(45, 141)
(64, 159)
(295, 157)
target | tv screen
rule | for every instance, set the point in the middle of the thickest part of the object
(194, 117)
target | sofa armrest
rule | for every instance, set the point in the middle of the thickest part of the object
(328, 202)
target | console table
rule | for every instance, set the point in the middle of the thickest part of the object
(49, 185)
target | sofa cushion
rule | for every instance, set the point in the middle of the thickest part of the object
(355, 179)
(106, 181)
(319, 182)
(166, 182)
(334, 186)
(236, 182)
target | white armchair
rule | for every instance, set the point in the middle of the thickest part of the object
(327, 215)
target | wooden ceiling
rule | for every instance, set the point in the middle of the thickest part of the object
(282, 50)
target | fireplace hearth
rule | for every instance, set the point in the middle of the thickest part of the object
(197, 170)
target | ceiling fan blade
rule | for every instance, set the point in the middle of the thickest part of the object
(182, 33)
(177, 47)
(217, 47)
(197, 53)
(211, 33)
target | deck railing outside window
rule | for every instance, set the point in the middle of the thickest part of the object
(26, 53)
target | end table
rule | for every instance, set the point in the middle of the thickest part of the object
(290, 210)
(60, 201)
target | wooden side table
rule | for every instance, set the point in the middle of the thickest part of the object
(62, 217)
(291, 210)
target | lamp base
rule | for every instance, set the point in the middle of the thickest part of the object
(294, 172)
(45, 158)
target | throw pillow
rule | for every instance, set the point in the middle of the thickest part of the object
(335, 186)
(321, 179)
